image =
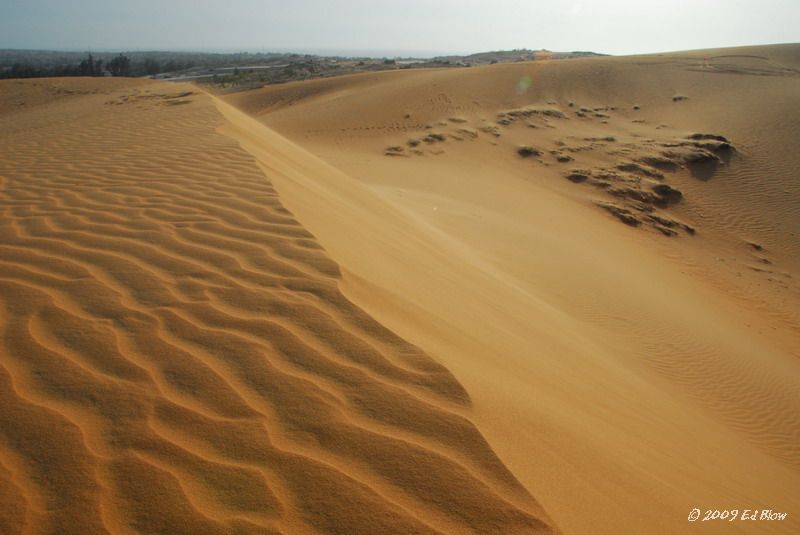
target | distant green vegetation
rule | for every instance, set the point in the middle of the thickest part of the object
(41, 63)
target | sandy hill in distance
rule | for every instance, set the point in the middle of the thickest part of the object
(642, 369)
(544, 297)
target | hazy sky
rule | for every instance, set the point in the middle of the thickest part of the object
(400, 26)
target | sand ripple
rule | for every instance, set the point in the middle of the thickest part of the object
(177, 356)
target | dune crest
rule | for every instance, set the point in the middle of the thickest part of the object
(177, 356)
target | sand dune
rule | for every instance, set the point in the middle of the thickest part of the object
(558, 296)
(603, 251)
(177, 356)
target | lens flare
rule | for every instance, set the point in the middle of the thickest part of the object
(524, 84)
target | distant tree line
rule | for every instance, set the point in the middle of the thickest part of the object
(120, 65)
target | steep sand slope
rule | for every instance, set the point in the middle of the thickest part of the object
(176, 356)
(624, 376)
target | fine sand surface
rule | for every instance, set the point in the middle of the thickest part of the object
(177, 357)
(604, 252)
(540, 297)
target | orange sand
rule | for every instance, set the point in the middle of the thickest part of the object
(353, 305)
(177, 356)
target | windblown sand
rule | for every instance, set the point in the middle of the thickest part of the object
(527, 298)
